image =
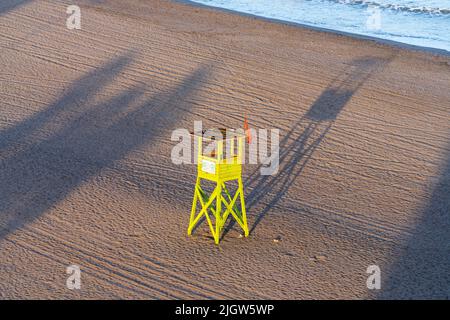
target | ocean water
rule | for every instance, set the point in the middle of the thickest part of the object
(423, 23)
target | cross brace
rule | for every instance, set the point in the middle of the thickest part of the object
(211, 207)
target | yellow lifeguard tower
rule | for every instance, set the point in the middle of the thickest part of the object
(220, 169)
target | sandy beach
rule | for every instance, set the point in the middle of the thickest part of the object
(86, 177)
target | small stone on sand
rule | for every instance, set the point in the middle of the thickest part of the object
(321, 258)
(277, 239)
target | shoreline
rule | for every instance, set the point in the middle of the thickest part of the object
(391, 43)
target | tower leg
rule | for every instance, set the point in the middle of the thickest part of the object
(218, 213)
(194, 207)
(243, 210)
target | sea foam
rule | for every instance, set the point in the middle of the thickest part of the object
(423, 23)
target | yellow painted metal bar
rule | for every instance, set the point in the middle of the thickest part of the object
(194, 206)
(195, 220)
(232, 148)
(204, 199)
(244, 211)
(199, 149)
(220, 150)
(215, 236)
(231, 208)
(230, 198)
(218, 212)
(233, 213)
(240, 149)
(204, 209)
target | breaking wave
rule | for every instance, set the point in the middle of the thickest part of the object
(403, 6)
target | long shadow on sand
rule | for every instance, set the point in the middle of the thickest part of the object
(50, 154)
(304, 137)
(8, 5)
(421, 268)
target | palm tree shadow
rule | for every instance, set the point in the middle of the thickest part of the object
(305, 136)
(72, 103)
(90, 137)
(421, 267)
(8, 5)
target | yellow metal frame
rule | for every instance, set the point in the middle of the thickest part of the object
(219, 170)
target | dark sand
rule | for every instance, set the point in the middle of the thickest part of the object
(86, 177)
